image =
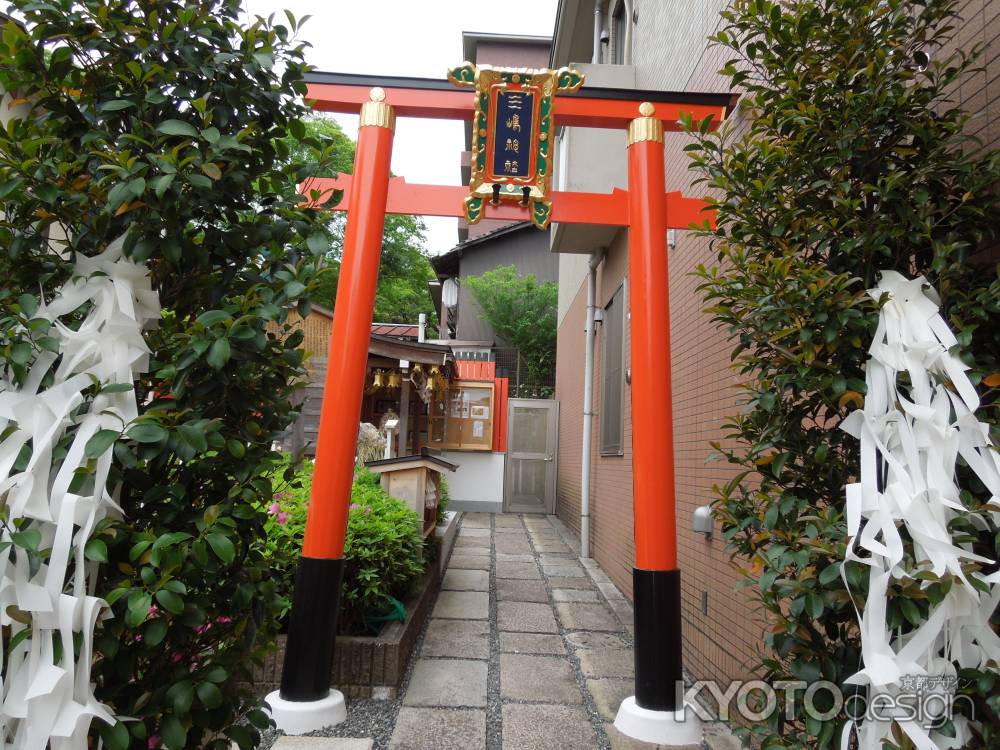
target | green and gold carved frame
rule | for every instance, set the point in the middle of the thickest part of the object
(544, 83)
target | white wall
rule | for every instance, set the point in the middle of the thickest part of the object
(477, 484)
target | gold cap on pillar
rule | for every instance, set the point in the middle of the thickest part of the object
(647, 127)
(377, 112)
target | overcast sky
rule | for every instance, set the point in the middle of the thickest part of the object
(409, 38)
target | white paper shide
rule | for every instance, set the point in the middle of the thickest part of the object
(918, 420)
(49, 701)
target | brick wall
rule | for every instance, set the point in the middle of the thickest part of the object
(717, 645)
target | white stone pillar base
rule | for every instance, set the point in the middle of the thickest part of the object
(667, 728)
(300, 717)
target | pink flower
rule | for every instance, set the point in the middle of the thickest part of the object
(176, 657)
(153, 611)
(354, 506)
(223, 620)
(138, 637)
(274, 509)
(153, 741)
(282, 518)
(203, 629)
(368, 510)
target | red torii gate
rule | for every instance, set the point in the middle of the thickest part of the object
(305, 701)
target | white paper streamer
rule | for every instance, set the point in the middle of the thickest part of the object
(919, 433)
(48, 703)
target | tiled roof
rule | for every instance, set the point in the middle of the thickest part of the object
(396, 330)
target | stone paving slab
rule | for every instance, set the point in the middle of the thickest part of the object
(469, 562)
(441, 729)
(476, 520)
(620, 742)
(525, 617)
(586, 616)
(514, 590)
(447, 682)
(501, 521)
(523, 570)
(609, 693)
(531, 643)
(559, 582)
(508, 557)
(574, 595)
(607, 662)
(512, 544)
(463, 605)
(527, 727)
(548, 687)
(539, 679)
(473, 531)
(466, 580)
(464, 542)
(322, 743)
(466, 639)
(564, 571)
(591, 639)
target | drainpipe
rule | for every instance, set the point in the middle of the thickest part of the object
(422, 327)
(627, 56)
(588, 402)
(598, 27)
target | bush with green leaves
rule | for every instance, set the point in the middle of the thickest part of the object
(164, 123)
(383, 552)
(522, 312)
(851, 159)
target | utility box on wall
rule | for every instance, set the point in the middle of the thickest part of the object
(416, 480)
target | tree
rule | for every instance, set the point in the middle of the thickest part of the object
(852, 161)
(163, 124)
(522, 312)
(402, 292)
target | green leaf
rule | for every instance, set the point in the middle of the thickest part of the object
(100, 442)
(28, 539)
(212, 170)
(318, 243)
(170, 601)
(96, 550)
(156, 631)
(147, 432)
(217, 675)
(209, 695)
(219, 354)
(116, 736)
(236, 448)
(829, 574)
(222, 546)
(115, 105)
(193, 437)
(161, 184)
(177, 127)
(9, 186)
(211, 317)
(20, 352)
(173, 734)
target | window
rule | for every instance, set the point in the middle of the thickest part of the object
(618, 34)
(612, 375)
(461, 417)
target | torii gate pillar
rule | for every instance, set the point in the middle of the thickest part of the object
(656, 712)
(305, 701)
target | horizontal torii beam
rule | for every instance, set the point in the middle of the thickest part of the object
(592, 107)
(604, 209)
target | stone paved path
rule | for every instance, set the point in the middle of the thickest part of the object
(527, 647)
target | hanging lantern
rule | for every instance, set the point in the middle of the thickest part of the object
(395, 379)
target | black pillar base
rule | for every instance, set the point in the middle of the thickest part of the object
(312, 630)
(659, 673)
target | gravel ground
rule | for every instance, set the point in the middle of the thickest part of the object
(596, 721)
(494, 733)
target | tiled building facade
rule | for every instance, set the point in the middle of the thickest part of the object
(668, 51)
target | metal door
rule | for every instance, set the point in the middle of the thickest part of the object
(532, 435)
